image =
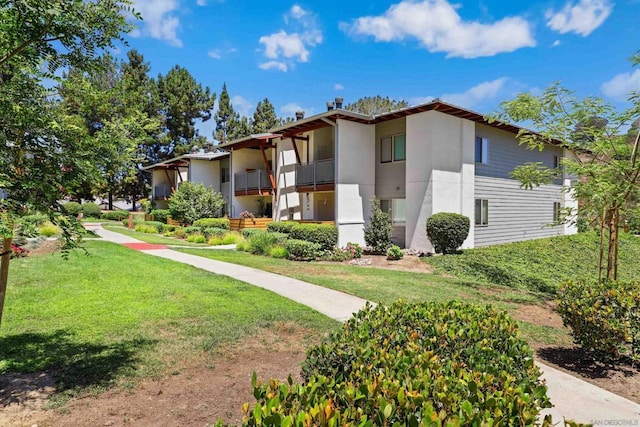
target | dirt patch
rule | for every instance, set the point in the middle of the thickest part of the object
(539, 314)
(197, 393)
(410, 263)
(45, 248)
(23, 396)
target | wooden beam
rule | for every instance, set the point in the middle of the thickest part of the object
(295, 149)
(269, 171)
(171, 183)
(4, 271)
(301, 138)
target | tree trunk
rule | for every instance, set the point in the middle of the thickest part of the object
(4, 272)
(601, 261)
(134, 200)
(617, 245)
(110, 200)
(611, 244)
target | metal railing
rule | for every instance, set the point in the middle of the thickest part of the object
(162, 191)
(315, 173)
(251, 181)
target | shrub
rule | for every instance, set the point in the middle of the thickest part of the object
(281, 226)
(196, 238)
(36, 220)
(192, 230)
(157, 224)
(377, 234)
(192, 201)
(278, 252)
(144, 228)
(447, 231)
(137, 220)
(18, 252)
(247, 233)
(354, 250)
(72, 208)
(214, 231)
(633, 221)
(603, 317)
(212, 222)
(325, 235)
(48, 230)
(337, 254)
(280, 237)
(179, 233)
(166, 228)
(91, 210)
(411, 364)
(241, 246)
(227, 239)
(261, 243)
(302, 250)
(115, 215)
(394, 253)
(160, 215)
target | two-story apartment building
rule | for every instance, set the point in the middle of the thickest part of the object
(417, 161)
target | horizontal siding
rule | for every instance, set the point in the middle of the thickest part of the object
(514, 213)
(505, 153)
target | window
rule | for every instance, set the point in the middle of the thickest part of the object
(393, 149)
(224, 174)
(556, 162)
(556, 211)
(397, 209)
(482, 150)
(482, 212)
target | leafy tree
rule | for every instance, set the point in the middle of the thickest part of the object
(193, 201)
(264, 118)
(377, 234)
(603, 161)
(374, 105)
(38, 147)
(183, 101)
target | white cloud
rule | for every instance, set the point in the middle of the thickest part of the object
(475, 95)
(218, 53)
(290, 109)
(215, 53)
(201, 2)
(621, 85)
(242, 105)
(439, 28)
(417, 100)
(338, 86)
(159, 20)
(278, 65)
(283, 49)
(555, 43)
(581, 18)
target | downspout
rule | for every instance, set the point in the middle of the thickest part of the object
(232, 181)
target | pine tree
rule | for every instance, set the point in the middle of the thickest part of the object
(374, 105)
(224, 116)
(264, 118)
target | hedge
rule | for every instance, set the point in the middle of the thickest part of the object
(447, 231)
(212, 222)
(91, 210)
(160, 215)
(72, 208)
(247, 233)
(115, 215)
(325, 235)
(281, 226)
(411, 365)
(302, 250)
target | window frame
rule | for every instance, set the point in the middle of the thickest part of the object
(481, 220)
(392, 140)
(557, 208)
(393, 208)
(481, 155)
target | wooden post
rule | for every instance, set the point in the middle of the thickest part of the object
(4, 272)
(130, 224)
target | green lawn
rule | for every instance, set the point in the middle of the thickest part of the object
(118, 314)
(387, 286)
(152, 238)
(539, 265)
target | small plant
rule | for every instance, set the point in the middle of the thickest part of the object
(91, 210)
(394, 253)
(247, 215)
(196, 238)
(49, 230)
(447, 231)
(261, 243)
(278, 252)
(179, 233)
(157, 224)
(137, 220)
(144, 228)
(212, 223)
(336, 254)
(354, 250)
(18, 251)
(301, 250)
(377, 234)
(214, 232)
(166, 228)
(193, 230)
(226, 239)
(160, 215)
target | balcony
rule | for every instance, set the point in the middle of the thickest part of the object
(162, 192)
(315, 176)
(252, 183)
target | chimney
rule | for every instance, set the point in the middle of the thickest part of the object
(329, 105)
(339, 103)
(299, 115)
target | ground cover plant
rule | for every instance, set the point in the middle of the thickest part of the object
(152, 236)
(118, 315)
(539, 265)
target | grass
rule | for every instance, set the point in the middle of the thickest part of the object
(387, 286)
(539, 265)
(115, 315)
(152, 238)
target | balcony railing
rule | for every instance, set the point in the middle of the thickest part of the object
(252, 182)
(162, 191)
(320, 172)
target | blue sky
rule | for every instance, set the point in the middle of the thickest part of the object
(473, 53)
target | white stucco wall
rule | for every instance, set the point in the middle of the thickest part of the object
(241, 160)
(355, 179)
(439, 172)
(206, 172)
(288, 203)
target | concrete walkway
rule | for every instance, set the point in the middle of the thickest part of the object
(573, 398)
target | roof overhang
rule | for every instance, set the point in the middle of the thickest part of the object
(184, 160)
(262, 140)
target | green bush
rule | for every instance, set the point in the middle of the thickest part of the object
(229, 238)
(166, 228)
(214, 231)
(280, 237)
(603, 317)
(144, 228)
(192, 201)
(36, 220)
(91, 210)
(394, 253)
(212, 222)
(354, 250)
(633, 221)
(261, 243)
(325, 235)
(179, 233)
(157, 224)
(192, 230)
(302, 250)
(137, 220)
(447, 231)
(281, 226)
(196, 238)
(72, 208)
(247, 233)
(278, 252)
(336, 254)
(48, 230)
(428, 364)
(377, 233)
(115, 215)
(160, 215)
